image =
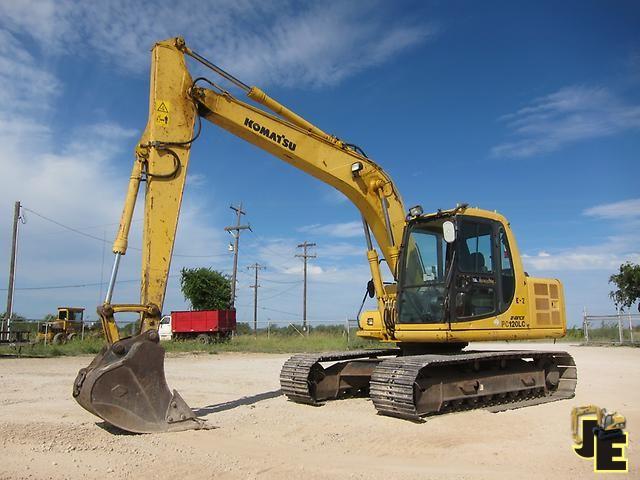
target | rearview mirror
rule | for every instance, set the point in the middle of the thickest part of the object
(449, 231)
(371, 289)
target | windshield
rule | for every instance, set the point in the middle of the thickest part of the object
(425, 265)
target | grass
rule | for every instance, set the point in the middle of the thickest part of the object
(315, 342)
(279, 342)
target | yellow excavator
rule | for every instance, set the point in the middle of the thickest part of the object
(457, 273)
(608, 424)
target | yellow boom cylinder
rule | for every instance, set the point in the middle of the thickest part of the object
(122, 238)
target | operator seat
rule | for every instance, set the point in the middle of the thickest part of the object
(476, 263)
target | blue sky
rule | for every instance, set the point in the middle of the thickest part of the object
(532, 109)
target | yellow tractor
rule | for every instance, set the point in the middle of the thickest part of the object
(457, 276)
(66, 327)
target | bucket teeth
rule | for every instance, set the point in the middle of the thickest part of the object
(125, 385)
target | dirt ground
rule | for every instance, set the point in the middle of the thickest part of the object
(44, 433)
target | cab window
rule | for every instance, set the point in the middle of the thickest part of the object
(476, 254)
(506, 270)
(475, 282)
(423, 276)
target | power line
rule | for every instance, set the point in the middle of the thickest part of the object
(288, 282)
(290, 313)
(264, 241)
(102, 240)
(269, 280)
(280, 311)
(297, 315)
(282, 292)
(77, 285)
(67, 227)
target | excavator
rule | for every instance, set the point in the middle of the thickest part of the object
(457, 277)
(608, 424)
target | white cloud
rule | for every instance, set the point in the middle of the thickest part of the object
(335, 287)
(605, 256)
(79, 183)
(571, 260)
(567, 116)
(585, 269)
(615, 210)
(341, 249)
(584, 273)
(267, 42)
(25, 85)
(76, 182)
(341, 230)
(78, 187)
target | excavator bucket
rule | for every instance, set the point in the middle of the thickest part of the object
(125, 386)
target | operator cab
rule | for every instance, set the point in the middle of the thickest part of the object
(454, 268)
(71, 314)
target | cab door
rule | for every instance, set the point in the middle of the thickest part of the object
(422, 279)
(480, 290)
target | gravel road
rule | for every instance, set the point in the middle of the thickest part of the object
(44, 433)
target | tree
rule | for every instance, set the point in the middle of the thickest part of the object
(205, 289)
(243, 328)
(14, 317)
(628, 283)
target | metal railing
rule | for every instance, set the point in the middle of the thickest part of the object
(618, 329)
(271, 329)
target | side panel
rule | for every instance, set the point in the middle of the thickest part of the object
(181, 322)
(203, 321)
(230, 321)
(546, 307)
(200, 321)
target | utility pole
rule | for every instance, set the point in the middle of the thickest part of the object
(6, 324)
(305, 256)
(235, 233)
(257, 267)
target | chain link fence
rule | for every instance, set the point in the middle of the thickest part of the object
(26, 331)
(278, 329)
(619, 329)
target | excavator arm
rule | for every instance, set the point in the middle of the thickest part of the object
(162, 158)
(125, 383)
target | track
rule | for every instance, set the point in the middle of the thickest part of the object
(412, 387)
(299, 374)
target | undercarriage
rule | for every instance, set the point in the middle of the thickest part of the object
(415, 386)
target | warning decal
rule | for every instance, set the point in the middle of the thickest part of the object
(163, 107)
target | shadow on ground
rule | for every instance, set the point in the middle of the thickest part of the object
(253, 399)
(112, 429)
